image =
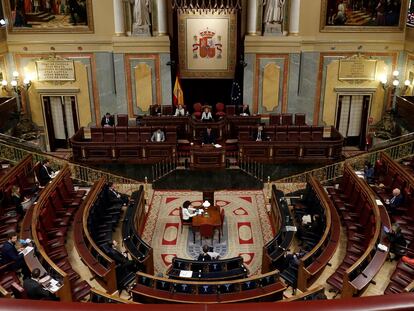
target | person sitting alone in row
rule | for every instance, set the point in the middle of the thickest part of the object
(209, 137)
(188, 211)
(35, 290)
(18, 200)
(206, 116)
(158, 136)
(156, 110)
(115, 197)
(369, 173)
(46, 173)
(204, 256)
(179, 111)
(9, 254)
(396, 201)
(398, 243)
(244, 110)
(107, 120)
(258, 134)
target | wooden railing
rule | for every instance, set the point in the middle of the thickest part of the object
(98, 296)
(313, 263)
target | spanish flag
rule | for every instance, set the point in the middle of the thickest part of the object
(178, 96)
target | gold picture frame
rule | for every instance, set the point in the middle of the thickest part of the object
(49, 17)
(356, 18)
(207, 44)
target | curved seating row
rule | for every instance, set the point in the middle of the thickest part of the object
(214, 270)
(283, 133)
(280, 216)
(98, 296)
(363, 220)
(132, 227)
(151, 289)
(312, 264)
(50, 222)
(102, 267)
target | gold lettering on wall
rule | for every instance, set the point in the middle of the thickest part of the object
(55, 70)
(357, 69)
(270, 91)
(143, 86)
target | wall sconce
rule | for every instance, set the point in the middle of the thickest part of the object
(15, 85)
(395, 82)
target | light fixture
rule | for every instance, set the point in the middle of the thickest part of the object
(395, 82)
(26, 83)
(395, 73)
(407, 82)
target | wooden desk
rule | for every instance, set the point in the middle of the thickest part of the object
(207, 157)
(213, 219)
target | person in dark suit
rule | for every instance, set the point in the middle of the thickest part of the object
(258, 134)
(9, 254)
(35, 290)
(107, 120)
(204, 256)
(396, 201)
(398, 243)
(115, 197)
(156, 110)
(244, 110)
(17, 199)
(209, 137)
(45, 173)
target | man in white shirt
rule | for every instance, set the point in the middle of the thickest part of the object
(179, 111)
(158, 136)
(188, 211)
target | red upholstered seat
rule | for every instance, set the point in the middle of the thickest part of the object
(96, 134)
(281, 132)
(300, 119)
(121, 133)
(197, 110)
(206, 231)
(108, 134)
(275, 119)
(167, 110)
(133, 134)
(220, 110)
(122, 120)
(287, 119)
(230, 110)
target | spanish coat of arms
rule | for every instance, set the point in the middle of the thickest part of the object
(206, 45)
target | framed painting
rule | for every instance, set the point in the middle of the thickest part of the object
(70, 16)
(363, 15)
(207, 45)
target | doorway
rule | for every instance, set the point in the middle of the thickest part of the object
(61, 120)
(352, 117)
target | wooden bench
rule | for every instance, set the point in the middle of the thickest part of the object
(132, 227)
(280, 217)
(98, 296)
(313, 263)
(363, 220)
(311, 294)
(151, 289)
(97, 261)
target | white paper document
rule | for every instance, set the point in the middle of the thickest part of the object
(186, 273)
(290, 228)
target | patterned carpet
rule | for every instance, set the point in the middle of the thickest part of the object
(246, 227)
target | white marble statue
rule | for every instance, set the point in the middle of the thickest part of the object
(274, 11)
(141, 12)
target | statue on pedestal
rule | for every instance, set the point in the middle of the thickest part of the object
(275, 17)
(141, 20)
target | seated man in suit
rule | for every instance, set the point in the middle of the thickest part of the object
(46, 174)
(204, 256)
(258, 134)
(209, 137)
(244, 110)
(107, 120)
(398, 244)
(156, 110)
(188, 211)
(115, 197)
(35, 290)
(9, 254)
(396, 201)
(158, 136)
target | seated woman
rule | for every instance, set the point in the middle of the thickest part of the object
(18, 200)
(188, 211)
(179, 111)
(206, 116)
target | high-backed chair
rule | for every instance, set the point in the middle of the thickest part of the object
(275, 119)
(281, 132)
(305, 133)
(209, 196)
(293, 133)
(269, 132)
(133, 134)
(300, 119)
(122, 120)
(170, 133)
(167, 110)
(145, 133)
(287, 119)
(317, 132)
(96, 134)
(230, 110)
(206, 231)
(108, 134)
(220, 110)
(197, 110)
(121, 133)
(244, 132)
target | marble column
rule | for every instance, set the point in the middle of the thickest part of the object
(294, 17)
(119, 17)
(159, 18)
(254, 17)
